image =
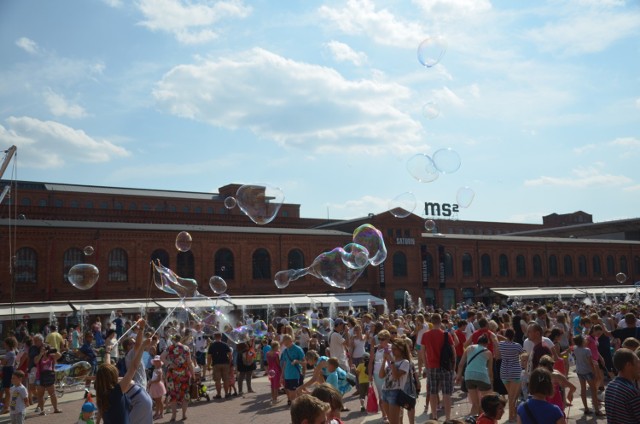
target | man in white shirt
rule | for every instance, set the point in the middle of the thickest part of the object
(338, 344)
(200, 344)
(471, 316)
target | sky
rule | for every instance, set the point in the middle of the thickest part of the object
(328, 101)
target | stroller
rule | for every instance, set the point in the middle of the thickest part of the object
(198, 389)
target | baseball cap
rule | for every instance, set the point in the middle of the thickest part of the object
(88, 407)
(338, 321)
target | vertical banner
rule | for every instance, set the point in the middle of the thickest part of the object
(381, 271)
(441, 270)
(423, 261)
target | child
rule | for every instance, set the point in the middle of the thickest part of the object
(232, 375)
(87, 414)
(363, 379)
(156, 387)
(332, 372)
(586, 370)
(265, 349)
(274, 370)
(560, 383)
(19, 398)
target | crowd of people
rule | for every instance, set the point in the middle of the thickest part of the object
(511, 359)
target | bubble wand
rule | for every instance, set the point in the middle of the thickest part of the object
(127, 332)
(168, 316)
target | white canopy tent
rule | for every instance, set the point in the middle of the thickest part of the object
(564, 292)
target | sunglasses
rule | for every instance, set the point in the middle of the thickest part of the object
(394, 332)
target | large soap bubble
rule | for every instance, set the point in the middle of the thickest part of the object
(402, 205)
(329, 267)
(217, 284)
(422, 168)
(83, 276)
(431, 50)
(371, 239)
(88, 250)
(167, 281)
(230, 202)
(621, 277)
(355, 256)
(447, 160)
(183, 241)
(283, 278)
(260, 202)
(465, 196)
(430, 110)
(429, 225)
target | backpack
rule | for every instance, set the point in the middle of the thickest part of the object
(447, 355)
(122, 367)
(248, 357)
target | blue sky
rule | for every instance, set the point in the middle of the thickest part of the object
(324, 99)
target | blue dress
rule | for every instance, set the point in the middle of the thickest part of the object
(119, 405)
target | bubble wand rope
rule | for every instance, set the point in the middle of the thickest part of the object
(127, 332)
(168, 316)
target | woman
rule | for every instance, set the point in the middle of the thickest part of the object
(113, 405)
(492, 409)
(376, 365)
(357, 345)
(477, 365)
(560, 383)
(46, 377)
(320, 372)
(421, 328)
(537, 409)
(96, 329)
(395, 372)
(304, 337)
(510, 369)
(179, 372)
(8, 366)
(246, 365)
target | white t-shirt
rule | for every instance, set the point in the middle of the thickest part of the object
(336, 347)
(528, 345)
(420, 333)
(18, 395)
(200, 341)
(390, 383)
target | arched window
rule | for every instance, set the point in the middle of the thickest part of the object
(553, 266)
(611, 265)
(582, 266)
(261, 264)
(295, 259)
(429, 262)
(485, 265)
(467, 265)
(399, 264)
(468, 295)
(521, 266)
(26, 270)
(73, 256)
(162, 256)
(568, 265)
(597, 265)
(223, 264)
(118, 265)
(623, 264)
(636, 265)
(537, 266)
(186, 265)
(25, 201)
(448, 265)
(503, 263)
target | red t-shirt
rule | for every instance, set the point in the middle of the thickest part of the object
(483, 419)
(476, 335)
(432, 342)
(462, 337)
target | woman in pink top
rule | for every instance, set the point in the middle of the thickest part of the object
(592, 344)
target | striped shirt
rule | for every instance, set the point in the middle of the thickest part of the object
(510, 368)
(622, 402)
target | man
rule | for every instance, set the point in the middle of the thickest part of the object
(54, 339)
(200, 346)
(119, 323)
(309, 410)
(140, 377)
(219, 357)
(468, 331)
(536, 345)
(622, 397)
(629, 329)
(339, 343)
(483, 329)
(292, 363)
(437, 377)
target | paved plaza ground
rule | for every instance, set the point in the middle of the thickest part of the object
(256, 408)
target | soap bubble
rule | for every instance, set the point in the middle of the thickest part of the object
(272, 374)
(431, 110)
(621, 277)
(260, 203)
(422, 168)
(329, 267)
(429, 225)
(371, 239)
(187, 287)
(230, 202)
(355, 256)
(431, 50)
(183, 241)
(446, 160)
(241, 334)
(167, 281)
(283, 278)
(22, 217)
(402, 205)
(465, 196)
(88, 250)
(260, 328)
(217, 284)
(83, 276)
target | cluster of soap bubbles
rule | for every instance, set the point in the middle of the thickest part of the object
(342, 266)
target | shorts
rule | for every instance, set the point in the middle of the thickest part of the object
(293, 384)
(478, 385)
(7, 373)
(510, 380)
(390, 396)
(220, 373)
(440, 379)
(363, 389)
(201, 358)
(47, 378)
(586, 377)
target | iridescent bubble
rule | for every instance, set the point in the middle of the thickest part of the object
(431, 51)
(446, 160)
(260, 328)
(422, 168)
(621, 277)
(329, 267)
(164, 279)
(465, 196)
(355, 256)
(283, 278)
(431, 110)
(402, 205)
(260, 202)
(183, 241)
(272, 374)
(371, 239)
(186, 287)
(217, 284)
(241, 334)
(429, 225)
(88, 250)
(83, 276)
(230, 202)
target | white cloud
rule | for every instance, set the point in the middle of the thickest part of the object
(356, 208)
(50, 144)
(27, 45)
(447, 9)
(113, 3)
(190, 22)
(344, 53)
(581, 178)
(631, 142)
(584, 149)
(59, 106)
(293, 103)
(445, 96)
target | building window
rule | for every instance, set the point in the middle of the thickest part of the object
(186, 209)
(553, 266)
(117, 205)
(399, 264)
(223, 264)
(467, 265)
(26, 270)
(146, 207)
(623, 264)
(611, 265)
(186, 264)
(74, 204)
(58, 203)
(160, 208)
(118, 265)
(42, 202)
(25, 201)
(568, 265)
(429, 260)
(430, 297)
(597, 265)
(468, 295)
(285, 214)
(133, 206)
(521, 266)
(399, 299)
(390, 233)
(448, 298)
(172, 208)
(448, 265)
(73, 256)
(582, 266)
(537, 266)
(88, 204)
(160, 255)
(261, 265)
(198, 209)
(104, 205)
(295, 259)
(407, 233)
(399, 233)
(485, 265)
(209, 211)
(503, 263)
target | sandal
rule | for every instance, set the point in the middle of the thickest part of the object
(599, 414)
